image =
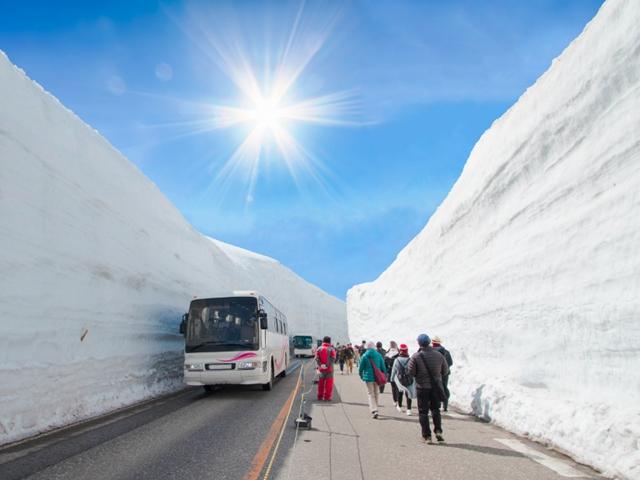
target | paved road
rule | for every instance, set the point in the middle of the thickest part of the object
(230, 435)
(189, 435)
(346, 442)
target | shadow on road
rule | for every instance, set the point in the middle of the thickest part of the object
(357, 404)
(500, 452)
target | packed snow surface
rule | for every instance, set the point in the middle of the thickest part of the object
(96, 269)
(530, 268)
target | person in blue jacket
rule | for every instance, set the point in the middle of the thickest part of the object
(371, 357)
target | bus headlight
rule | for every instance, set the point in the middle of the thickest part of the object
(247, 365)
(194, 367)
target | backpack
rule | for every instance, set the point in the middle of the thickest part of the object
(446, 354)
(403, 376)
(388, 363)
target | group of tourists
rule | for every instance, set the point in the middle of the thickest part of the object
(423, 376)
(347, 355)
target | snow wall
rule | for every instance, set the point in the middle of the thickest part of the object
(530, 268)
(96, 269)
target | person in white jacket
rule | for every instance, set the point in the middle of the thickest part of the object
(399, 373)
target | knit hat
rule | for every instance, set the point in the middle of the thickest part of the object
(436, 339)
(403, 347)
(424, 340)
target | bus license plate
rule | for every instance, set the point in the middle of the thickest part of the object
(219, 366)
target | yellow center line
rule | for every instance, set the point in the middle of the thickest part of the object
(275, 434)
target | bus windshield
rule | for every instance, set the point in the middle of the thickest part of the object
(302, 341)
(222, 324)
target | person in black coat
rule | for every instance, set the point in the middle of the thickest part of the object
(424, 365)
(437, 345)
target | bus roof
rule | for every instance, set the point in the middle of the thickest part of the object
(235, 293)
(245, 293)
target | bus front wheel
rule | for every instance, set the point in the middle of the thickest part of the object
(269, 385)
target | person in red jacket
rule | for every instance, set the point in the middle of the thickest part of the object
(325, 358)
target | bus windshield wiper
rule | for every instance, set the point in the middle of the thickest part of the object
(231, 344)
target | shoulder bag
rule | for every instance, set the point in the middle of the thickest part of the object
(381, 378)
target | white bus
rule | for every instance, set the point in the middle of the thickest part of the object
(304, 345)
(237, 340)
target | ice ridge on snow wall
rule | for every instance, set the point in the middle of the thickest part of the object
(96, 268)
(530, 268)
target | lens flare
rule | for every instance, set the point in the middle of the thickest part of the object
(264, 102)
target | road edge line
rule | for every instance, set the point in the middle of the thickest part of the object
(85, 423)
(284, 424)
(557, 465)
(261, 456)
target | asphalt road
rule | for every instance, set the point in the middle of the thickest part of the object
(245, 433)
(189, 435)
(347, 443)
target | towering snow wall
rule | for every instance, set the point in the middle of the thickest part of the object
(530, 268)
(97, 266)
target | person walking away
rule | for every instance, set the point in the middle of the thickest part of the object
(325, 358)
(341, 359)
(424, 365)
(382, 352)
(404, 382)
(370, 358)
(356, 355)
(437, 345)
(349, 355)
(389, 359)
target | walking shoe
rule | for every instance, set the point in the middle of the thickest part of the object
(399, 408)
(375, 414)
(395, 404)
(427, 440)
(439, 437)
(409, 412)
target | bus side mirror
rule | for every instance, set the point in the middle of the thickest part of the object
(183, 323)
(262, 315)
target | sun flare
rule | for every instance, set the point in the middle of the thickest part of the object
(270, 100)
(266, 113)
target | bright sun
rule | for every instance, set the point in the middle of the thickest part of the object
(267, 113)
(272, 102)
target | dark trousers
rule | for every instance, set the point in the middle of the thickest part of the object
(400, 395)
(428, 401)
(394, 391)
(445, 384)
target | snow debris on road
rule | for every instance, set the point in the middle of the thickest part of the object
(530, 268)
(96, 269)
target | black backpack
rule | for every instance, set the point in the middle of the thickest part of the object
(446, 354)
(403, 376)
(388, 363)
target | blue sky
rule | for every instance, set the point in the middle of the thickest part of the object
(423, 80)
